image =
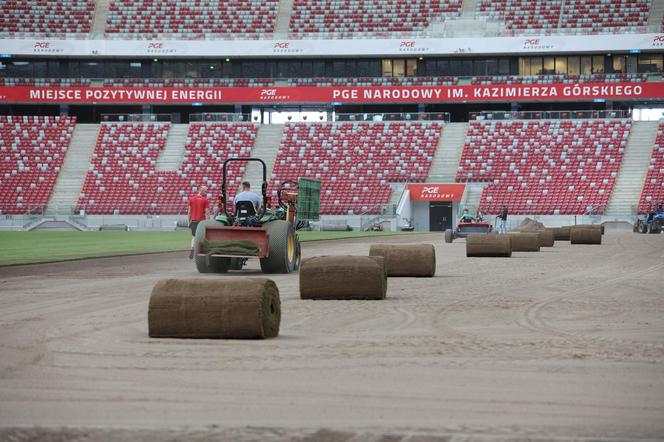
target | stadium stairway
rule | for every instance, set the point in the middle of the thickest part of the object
(656, 12)
(629, 183)
(101, 15)
(448, 153)
(469, 9)
(171, 157)
(265, 147)
(284, 16)
(472, 195)
(74, 167)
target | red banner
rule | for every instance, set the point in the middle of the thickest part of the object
(377, 94)
(436, 192)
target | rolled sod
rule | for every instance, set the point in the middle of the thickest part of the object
(561, 233)
(343, 277)
(246, 308)
(407, 259)
(488, 245)
(525, 242)
(546, 238)
(592, 226)
(583, 235)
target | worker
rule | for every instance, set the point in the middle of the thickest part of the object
(197, 211)
(503, 220)
(466, 217)
(248, 195)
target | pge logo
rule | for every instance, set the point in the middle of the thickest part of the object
(536, 43)
(271, 95)
(42, 45)
(155, 46)
(284, 45)
(268, 93)
(410, 46)
(407, 44)
(658, 41)
(433, 190)
(45, 47)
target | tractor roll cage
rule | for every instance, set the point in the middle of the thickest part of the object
(261, 211)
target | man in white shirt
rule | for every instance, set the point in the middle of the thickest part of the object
(247, 195)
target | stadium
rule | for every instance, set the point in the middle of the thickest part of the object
(454, 233)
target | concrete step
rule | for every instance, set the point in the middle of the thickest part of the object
(171, 157)
(74, 168)
(283, 18)
(636, 158)
(448, 152)
(265, 147)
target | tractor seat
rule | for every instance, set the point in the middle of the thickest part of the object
(245, 213)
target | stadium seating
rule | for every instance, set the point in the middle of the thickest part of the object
(123, 177)
(653, 187)
(589, 16)
(546, 166)
(356, 161)
(342, 17)
(63, 82)
(188, 82)
(375, 81)
(522, 14)
(32, 150)
(46, 17)
(597, 15)
(191, 18)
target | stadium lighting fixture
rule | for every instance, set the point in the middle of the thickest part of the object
(228, 60)
(155, 60)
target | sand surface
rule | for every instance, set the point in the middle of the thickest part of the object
(563, 344)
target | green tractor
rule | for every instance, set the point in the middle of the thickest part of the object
(269, 234)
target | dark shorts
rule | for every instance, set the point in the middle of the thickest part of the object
(193, 225)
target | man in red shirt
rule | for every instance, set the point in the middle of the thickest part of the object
(198, 210)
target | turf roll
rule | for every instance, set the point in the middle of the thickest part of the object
(599, 227)
(343, 277)
(546, 238)
(525, 242)
(561, 233)
(583, 235)
(407, 259)
(488, 245)
(246, 308)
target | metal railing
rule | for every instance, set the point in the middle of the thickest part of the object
(219, 117)
(394, 116)
(136, 118)
(550, 115)
(439, 28)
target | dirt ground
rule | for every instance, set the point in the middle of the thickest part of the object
(563, 344)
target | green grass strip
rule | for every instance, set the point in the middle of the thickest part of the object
(36, 247)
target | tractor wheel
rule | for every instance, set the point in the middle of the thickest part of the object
(644, 228)
(205, 264)
(282, 249)
(449, 236)
(298, 253)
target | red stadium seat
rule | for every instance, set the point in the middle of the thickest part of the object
(356, 161)
(546, 166)
(653, 187)
(32, 150)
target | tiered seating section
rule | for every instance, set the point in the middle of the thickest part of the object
(356, 161)
(591, 16)
(558, 79)
(653, 187)
(342, 17)
(123, 177)
(375, 81)
(194, 18)
(189, 82)
(544, 167)
(47, 17)
(31, 153)
(596, 15)
(62, 82)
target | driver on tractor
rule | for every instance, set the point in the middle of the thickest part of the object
(247, 204)
(466, 217)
